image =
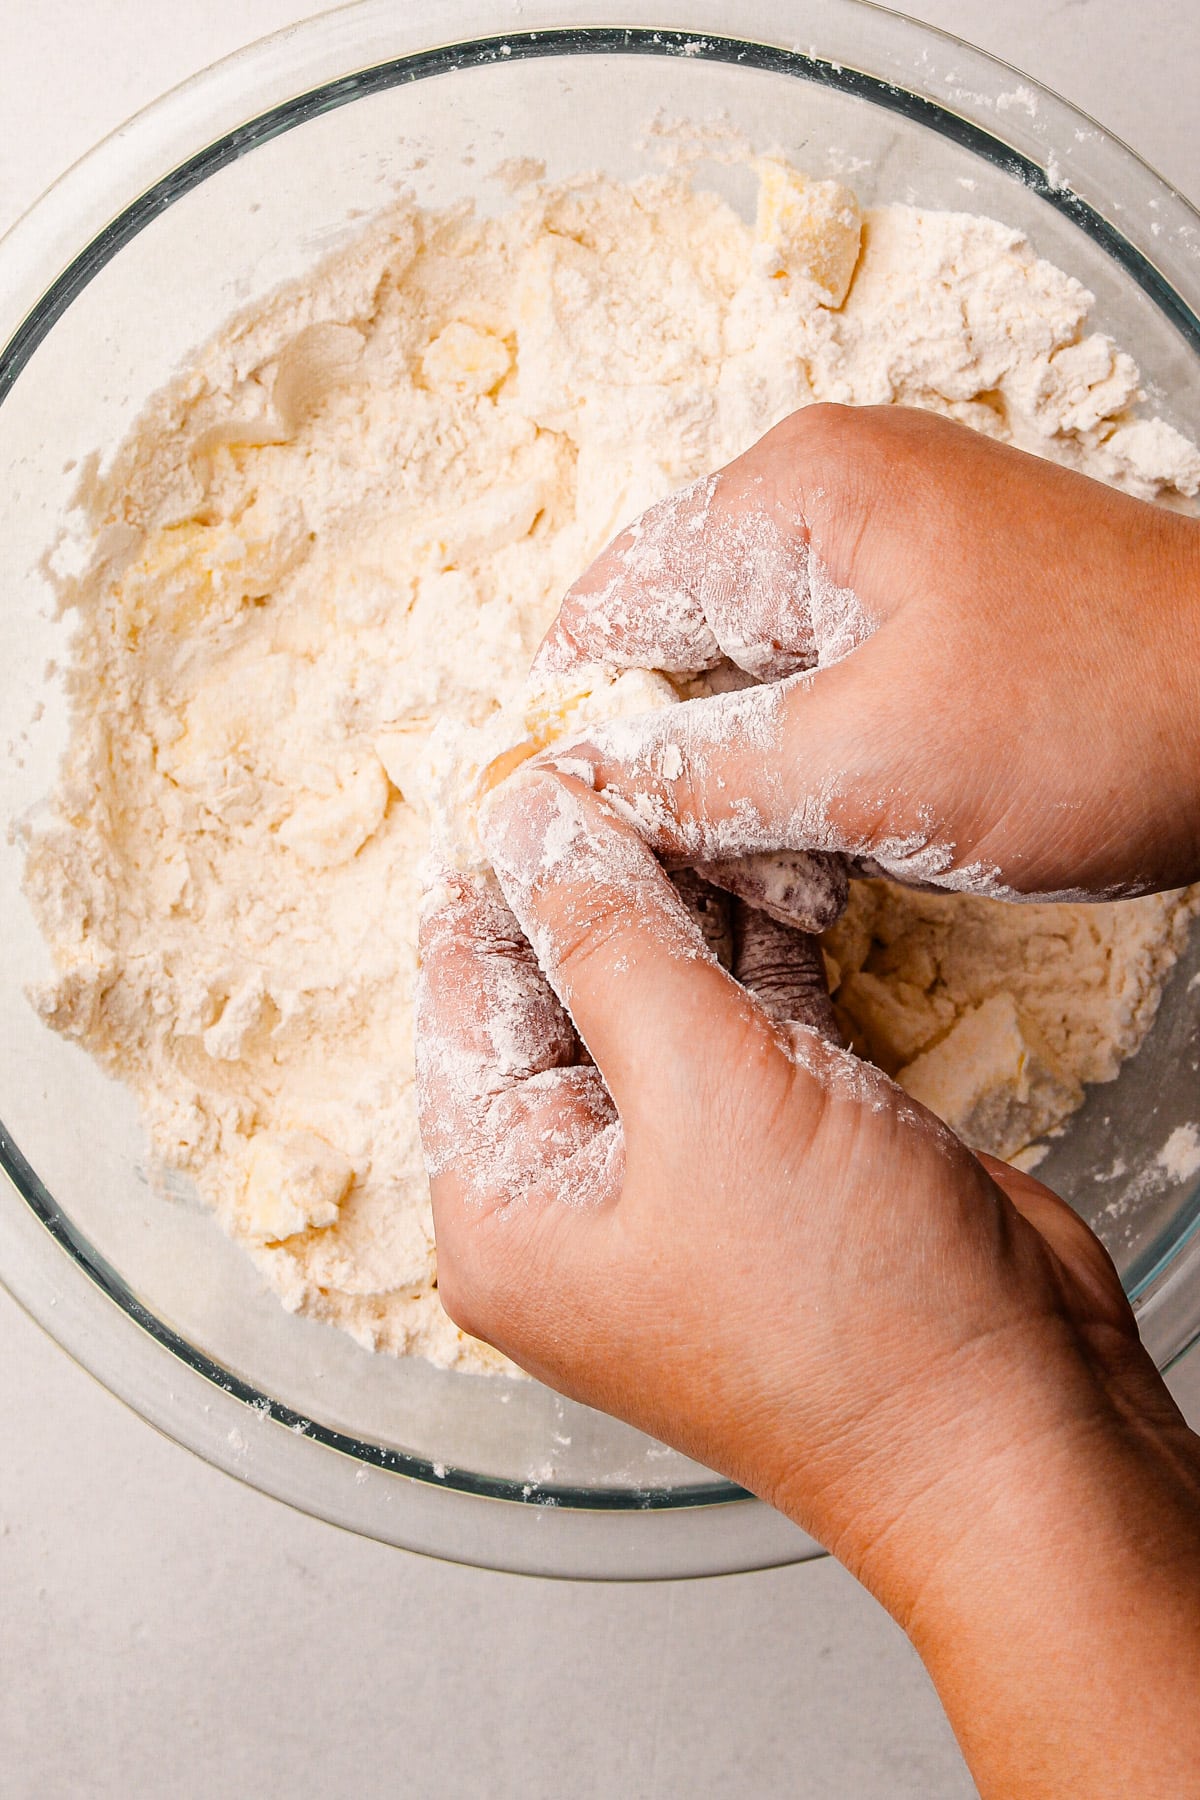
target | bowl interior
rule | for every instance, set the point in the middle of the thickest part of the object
(228, 226)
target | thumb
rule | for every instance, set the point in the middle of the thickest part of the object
(789, 766)
(618, 945)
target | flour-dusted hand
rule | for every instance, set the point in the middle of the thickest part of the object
(724, 1228)
(984, 669)
(561, 1180)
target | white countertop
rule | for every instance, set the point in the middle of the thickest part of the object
(168, 1631)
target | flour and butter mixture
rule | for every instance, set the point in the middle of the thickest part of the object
(353, 518)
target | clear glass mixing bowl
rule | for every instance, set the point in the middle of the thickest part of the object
(231, 184)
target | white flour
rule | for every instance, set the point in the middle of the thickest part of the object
(1180, 1155)
(354, 517)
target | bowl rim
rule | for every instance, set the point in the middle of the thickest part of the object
(161, 154)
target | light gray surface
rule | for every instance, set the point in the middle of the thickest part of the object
(167, 1631)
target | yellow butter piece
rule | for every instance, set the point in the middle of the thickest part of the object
(401, 749)
(464, 360)
(553, 711)
(813, 227)
(549, 715)
(326, 829)
(502, 766)
(295, 1181)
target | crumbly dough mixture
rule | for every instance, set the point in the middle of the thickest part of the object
(994, 1015)
(353, 516)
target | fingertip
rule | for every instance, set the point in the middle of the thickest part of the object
(515, 818)
(611, 933)
(443, 888)
(459, 910)
(485, 1018)
(784, 970)
(558, 653)
(555, 848)
(804, 889)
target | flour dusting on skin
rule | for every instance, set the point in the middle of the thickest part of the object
(347, 527)
(840, 621)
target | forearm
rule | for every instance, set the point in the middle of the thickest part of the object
(1064, 1634)
(1158, 683)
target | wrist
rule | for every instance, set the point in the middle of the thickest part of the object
(1059, 1613)
(1033, 1439)
(1085, 1524)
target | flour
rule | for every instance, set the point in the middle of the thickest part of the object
(344, 531)
(1180, 1155)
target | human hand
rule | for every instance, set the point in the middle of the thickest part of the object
(729, 1232)
(984, 669)
(725, 1228)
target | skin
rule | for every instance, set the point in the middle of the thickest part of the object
(718, 1224)
(1028, 696)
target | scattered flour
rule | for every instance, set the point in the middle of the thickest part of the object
(346, 528)
(1180, 1155)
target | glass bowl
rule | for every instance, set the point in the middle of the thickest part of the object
(233, 183)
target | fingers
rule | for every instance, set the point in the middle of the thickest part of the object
(725, 569)
(769, 562)
(638, 605)
(711, 910)
(616, 942)
(521, 1139)
(498, 1075)
(781, 967)
(730, 777)
(784, 970)
(718, 570)
(754, 586)
(800, 888)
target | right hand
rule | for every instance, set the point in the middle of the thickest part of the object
(984, 669)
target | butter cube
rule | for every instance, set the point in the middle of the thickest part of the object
(295, 1181)
(326, 829)
(812, 228)
(402, 749)
(556, 708)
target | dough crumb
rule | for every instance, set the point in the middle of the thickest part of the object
(295, 1182)
(460, 765)
(992, 1079)
(810, 230)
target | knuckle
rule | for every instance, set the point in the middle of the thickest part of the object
(823, 431)
(828, 443)
(465, 1289)
(592, 934)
